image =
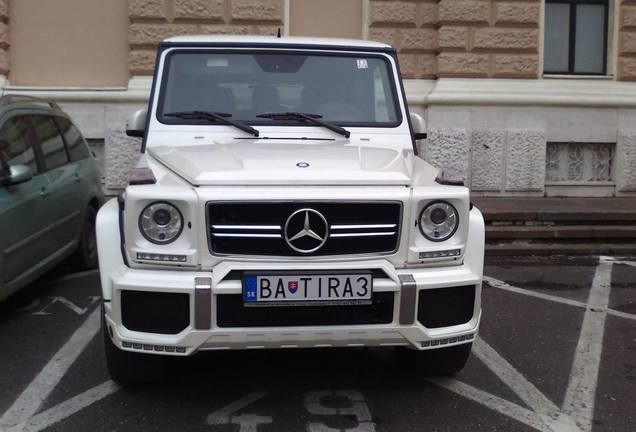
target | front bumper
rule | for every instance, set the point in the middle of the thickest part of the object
(202, 291)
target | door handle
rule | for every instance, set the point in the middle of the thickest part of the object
(44, 192)
(77, 176)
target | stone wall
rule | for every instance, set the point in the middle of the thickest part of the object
(502, 150)
(460, 38)
(4, 37)
(485, 38)
(151, 21)
(627, 41)
(409, 26)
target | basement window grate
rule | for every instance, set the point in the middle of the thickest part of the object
(579, 163)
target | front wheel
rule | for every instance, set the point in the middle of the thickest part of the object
(126, 367)
(436, 362)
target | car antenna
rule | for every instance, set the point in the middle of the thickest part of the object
(278, 34)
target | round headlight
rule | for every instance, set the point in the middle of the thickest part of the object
(439, 221)
(160, 222)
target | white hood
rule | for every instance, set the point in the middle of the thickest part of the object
(281, 162)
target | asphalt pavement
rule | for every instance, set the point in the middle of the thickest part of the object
(556, 352)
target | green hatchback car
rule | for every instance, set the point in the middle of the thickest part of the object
(49, 192)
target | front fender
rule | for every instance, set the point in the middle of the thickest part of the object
(475, 244)
(109, 244)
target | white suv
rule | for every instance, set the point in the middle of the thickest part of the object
(280, 202)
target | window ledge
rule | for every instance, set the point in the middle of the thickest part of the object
(579, 77)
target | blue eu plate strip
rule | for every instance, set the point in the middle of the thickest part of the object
(249, 289)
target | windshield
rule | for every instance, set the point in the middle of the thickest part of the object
(349, 90)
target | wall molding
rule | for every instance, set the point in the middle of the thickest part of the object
(564, 92)
(582, 93)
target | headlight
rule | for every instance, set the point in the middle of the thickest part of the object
(160, 222)
(439, 221)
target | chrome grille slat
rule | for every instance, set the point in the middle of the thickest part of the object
(248, 227)
(254, 235)
(363, 234)
(369, 226)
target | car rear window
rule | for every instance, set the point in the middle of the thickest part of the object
(75, 143)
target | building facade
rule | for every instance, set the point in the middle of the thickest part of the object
(525, 97)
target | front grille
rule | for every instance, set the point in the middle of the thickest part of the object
(155, 312)
(230, 312)
(337, 228)
(443, 307)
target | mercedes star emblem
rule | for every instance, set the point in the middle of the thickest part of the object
(306, 230)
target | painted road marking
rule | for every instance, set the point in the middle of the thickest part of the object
(69, 304)
(246, 422)
(356, 407)
(581, 390)
(75, 275)
(619, 261)
(576, 415)
(496, 283)
(527, 392)
(67, 408)
(621, 314)
(495, 403)
(49, 377)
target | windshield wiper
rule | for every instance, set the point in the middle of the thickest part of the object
(213, 117)
(309, 118)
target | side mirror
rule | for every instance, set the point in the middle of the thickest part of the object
(136, 125)
(17, 174)
(419, 129)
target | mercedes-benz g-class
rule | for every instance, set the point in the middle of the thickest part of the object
(280, 202)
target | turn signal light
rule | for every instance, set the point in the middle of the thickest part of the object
(440, 254)
(141, 176)
(158, 348)
(447, 341)
(160, 257)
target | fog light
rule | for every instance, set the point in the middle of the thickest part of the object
(160, 257)
(441, 254)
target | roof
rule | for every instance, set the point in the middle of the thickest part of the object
(273, 40)
(10, 100)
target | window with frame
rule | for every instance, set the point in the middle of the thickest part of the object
(15, 145)
(77, 147)
(51, 142)
(576, 37)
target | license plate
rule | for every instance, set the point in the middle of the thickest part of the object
(307, 289)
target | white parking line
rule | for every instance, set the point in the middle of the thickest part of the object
(621, 314)
(75, 275)
(41, 387)
(67, 408)
(493, 402)
(496, 283)
(581, 390)
(223, 415)
(618, 261)
(510, 376)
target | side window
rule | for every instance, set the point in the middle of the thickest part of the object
(51, 141)
(75, 143)
(15, 147)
